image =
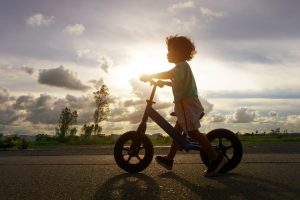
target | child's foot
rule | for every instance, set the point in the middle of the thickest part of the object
(163, 161)
(215, 166)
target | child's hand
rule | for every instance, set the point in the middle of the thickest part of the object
(145, 77)
(160, 83)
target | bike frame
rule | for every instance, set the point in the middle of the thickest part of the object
(168, 128)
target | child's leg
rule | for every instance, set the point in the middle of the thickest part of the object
(202, 139)
(173, 151)
(174, 145)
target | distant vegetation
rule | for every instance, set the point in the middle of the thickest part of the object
(12, 142)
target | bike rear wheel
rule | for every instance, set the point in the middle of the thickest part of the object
(228, 144)
(133, 159)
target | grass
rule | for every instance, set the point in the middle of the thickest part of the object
(270, 138)
(71, 141)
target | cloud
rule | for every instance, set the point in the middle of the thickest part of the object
(13, 71)
(7, 115)
(82, 52)
(207, 106)
(44, 109)
(273, 114)
(104, 62)
(140, 90)
(76, 29)
(40, 20)
(217, 118)
(97, 83)
(209, 13)
(293, 119)
(4, 95)
(243, 115)
(28, 70)
(23, 102)
(61, 77)
(184, 25)
(181, 6)
(266, 93)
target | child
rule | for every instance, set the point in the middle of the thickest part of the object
(188, 108)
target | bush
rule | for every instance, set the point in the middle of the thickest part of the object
(13, 142)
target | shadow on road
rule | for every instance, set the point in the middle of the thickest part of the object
(129, 186)
(238, 186)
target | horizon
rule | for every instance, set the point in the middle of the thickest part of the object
(56, 55)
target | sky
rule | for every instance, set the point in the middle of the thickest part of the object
(55, 54)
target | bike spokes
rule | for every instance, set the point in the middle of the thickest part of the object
(132, 155)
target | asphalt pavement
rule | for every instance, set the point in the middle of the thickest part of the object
(82, 173)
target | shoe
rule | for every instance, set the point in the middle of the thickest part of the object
(215, 166)
(163, 161)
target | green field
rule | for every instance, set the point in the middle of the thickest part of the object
(166, 140)
(71, 141)
(270, 138)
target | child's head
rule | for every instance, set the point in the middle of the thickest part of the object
(180, 48)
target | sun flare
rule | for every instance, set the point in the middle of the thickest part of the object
(146, 59)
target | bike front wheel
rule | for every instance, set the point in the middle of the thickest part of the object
(133, 152)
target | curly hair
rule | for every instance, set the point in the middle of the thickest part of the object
(183, 45)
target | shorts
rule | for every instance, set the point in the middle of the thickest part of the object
(188, 112)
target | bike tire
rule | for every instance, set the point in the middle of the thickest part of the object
(123, 152)
(233, 151)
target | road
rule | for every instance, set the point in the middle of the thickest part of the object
(262, 174)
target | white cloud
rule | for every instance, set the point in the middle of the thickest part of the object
(209, 13)
(184, 25)
(293, 119)
(40, 20)
(82, 52)
(216, 118)
(208, 107)
(76, 29)
(180, 6)
(243, 115)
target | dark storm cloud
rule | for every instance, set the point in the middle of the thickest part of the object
(61, 77)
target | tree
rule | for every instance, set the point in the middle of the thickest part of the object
(102, 107)
(66, 120)
(87, 129)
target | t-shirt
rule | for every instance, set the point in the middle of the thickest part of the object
(183, 80)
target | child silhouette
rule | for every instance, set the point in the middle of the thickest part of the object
(188, 108)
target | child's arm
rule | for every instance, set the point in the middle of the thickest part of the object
(161, 75)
